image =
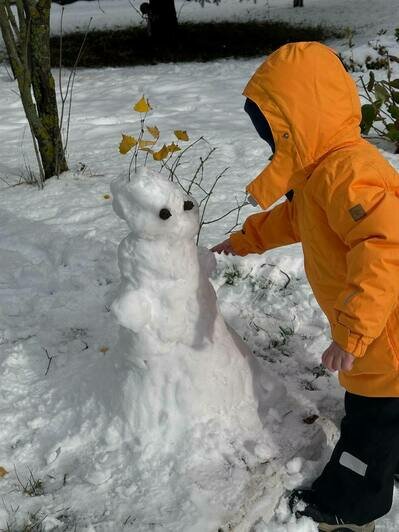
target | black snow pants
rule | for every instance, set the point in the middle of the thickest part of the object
(357, 483)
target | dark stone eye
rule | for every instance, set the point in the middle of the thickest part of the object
(164, 214)
(188, 205)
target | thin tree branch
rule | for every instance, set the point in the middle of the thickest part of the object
(9, 39)
(207, 201)
(200, 168)
(50, 359)
(238, 208)
(13, 22)
(71, 82)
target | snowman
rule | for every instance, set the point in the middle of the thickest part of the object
(188, 377)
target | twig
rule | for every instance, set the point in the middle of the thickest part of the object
(100, 8)
(49, 358)
(71, 80)
(207, 201)
(39, 160)
(74, 70)
(176, 177)
(280, 270)
(288, 278)
(137, 10)
(4, 181)
(128, 518)
(136, 148)
(238, 209)
(201, 168)
(198, 186)
(18, 479)
(60, 64)
(207, 222)
(178, 158)
(12, 20)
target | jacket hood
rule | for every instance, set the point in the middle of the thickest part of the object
(313, 108)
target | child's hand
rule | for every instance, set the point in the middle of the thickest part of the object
(224, 247)
(335, 358)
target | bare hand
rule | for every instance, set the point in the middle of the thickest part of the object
(335, 358)
(224, 247)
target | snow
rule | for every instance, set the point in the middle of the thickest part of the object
(61, 398)
(192, 392)
(361, 16)
(366, 19)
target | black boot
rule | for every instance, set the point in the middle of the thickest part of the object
(327, 522)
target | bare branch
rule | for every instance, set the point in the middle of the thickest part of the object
(238, 208)
(201, 168)
(60, 65)
(9, 38)
(49, 358)
(13, 22)
(71, 80)
(137, 10)
(207, 201)
(100, 8)
(4, 181)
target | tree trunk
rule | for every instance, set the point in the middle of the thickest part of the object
(28, 48)
(162, 21)
(51, 151)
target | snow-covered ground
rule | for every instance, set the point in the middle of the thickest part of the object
(59, 275)
(363, 15)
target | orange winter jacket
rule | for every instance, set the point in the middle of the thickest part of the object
(345, 209)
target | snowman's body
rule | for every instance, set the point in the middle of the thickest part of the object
(184, 367)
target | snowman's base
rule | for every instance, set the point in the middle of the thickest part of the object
(217, 488)
(261, 496)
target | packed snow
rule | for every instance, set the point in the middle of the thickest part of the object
(68, 398)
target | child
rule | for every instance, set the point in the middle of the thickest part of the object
(343, 206)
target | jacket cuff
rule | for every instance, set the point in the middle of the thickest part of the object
(240, 244)
(351, 342)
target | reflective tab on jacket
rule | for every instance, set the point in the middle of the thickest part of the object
(353, 463)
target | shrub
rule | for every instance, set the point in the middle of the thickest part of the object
(381, 112)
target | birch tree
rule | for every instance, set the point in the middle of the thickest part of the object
(26, 34)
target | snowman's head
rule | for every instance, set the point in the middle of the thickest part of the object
(154, 207)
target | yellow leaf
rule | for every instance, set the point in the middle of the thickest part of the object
(104, 349)
(3, 472)
(154, 131)
(142, 106)
(181, 135)
(126, 144)
(146, 143)
(106, 196)
(173, 147)
(161, 154)
(148, 150)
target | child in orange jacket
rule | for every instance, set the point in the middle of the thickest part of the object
(343, 206)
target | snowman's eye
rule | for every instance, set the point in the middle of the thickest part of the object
(164, 214)
(188, 205)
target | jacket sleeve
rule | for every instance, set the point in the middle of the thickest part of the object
(364, 212)
(267, 230)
